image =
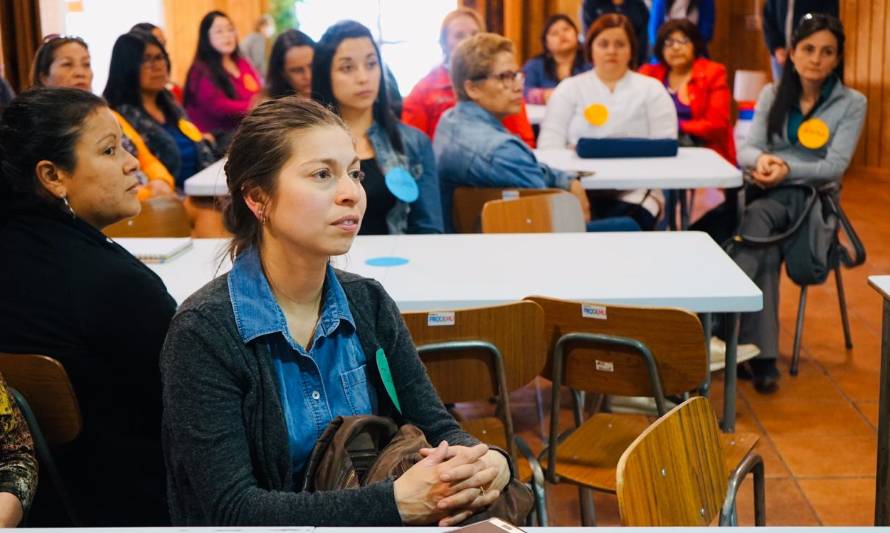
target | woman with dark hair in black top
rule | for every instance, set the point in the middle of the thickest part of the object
(562, 57)
(290, 65)
(136, 89)
(72, 294)
(402, 182)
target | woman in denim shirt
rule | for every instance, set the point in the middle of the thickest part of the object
(401, 181)
(259, 361)
(474, 149)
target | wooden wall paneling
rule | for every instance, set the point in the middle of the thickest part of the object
(850, 17)
(514, 25)
(884, 81)
(868, 70)
(874, 94)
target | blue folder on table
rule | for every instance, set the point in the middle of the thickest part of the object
(626, 147)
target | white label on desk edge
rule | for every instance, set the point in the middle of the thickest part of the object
(509, 194)
(593, 311)
(445, 318)
(605, 366)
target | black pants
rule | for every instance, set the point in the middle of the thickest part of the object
(767, 213)
(604, 206)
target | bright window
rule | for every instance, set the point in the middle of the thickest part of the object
(407, 29)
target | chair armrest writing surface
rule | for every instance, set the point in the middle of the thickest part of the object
(627, 147)
(753, 463)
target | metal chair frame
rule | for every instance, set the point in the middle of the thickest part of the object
(597, 340)
(514, 442)
(45, 457)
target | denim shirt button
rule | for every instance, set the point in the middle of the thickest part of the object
(316, 395)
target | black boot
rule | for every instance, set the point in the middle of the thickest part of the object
(766, 375)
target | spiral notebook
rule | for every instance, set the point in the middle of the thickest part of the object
(156, 250)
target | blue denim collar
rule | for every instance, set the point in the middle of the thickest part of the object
(473, 110)
(257, 312)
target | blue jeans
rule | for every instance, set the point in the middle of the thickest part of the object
(613, 224)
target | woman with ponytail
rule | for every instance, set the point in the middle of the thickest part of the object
(805, 131)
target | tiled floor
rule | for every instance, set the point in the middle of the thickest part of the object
(817, 432)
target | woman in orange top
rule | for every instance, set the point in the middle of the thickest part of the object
(64, 61)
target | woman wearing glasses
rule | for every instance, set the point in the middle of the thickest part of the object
(472, 146)
(611, 101)
(697, 86)
(64, 61)
(136, 90)
(400, 171)
(221, 86)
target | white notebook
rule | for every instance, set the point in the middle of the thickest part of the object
(156, 250)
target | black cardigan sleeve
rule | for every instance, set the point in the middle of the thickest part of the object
(420, 403)
(204, 388)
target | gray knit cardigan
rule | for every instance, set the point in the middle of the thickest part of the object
(224, 434)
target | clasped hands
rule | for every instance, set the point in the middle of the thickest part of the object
(450, 484)
(769, 171)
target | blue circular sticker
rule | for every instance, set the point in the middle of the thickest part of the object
(402, 185)
(386, 261)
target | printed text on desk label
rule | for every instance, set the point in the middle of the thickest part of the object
(605, 366)
(445, 318)
(593, 311)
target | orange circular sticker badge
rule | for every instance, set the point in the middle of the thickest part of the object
(596, 114)
(250, 83)
(813, 133)
(190, 130)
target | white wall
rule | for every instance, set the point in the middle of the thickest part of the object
(410, 30)
(100, 24)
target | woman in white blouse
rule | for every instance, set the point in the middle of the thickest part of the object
(611, 101)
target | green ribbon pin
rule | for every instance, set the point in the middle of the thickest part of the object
(386, 377)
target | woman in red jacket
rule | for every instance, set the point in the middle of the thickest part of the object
(433, 95)
(697, 85)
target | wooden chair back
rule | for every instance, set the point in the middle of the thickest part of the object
(559, 212)
(673, 474)
(45, 385)
(516, 329)
(466, 212)
(674, 336)
(164, 216)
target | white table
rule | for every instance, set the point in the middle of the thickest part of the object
(535, 113)
(882, 485)
(209, 182)
(692, 168)
(685, 270)
(671, 269)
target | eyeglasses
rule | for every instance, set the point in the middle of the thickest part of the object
(676, 43)
(507, 78)
(157, 59)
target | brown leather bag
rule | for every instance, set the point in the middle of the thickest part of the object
(355, 451)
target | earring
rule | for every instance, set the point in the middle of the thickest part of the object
(262, 215)
(68, 207)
